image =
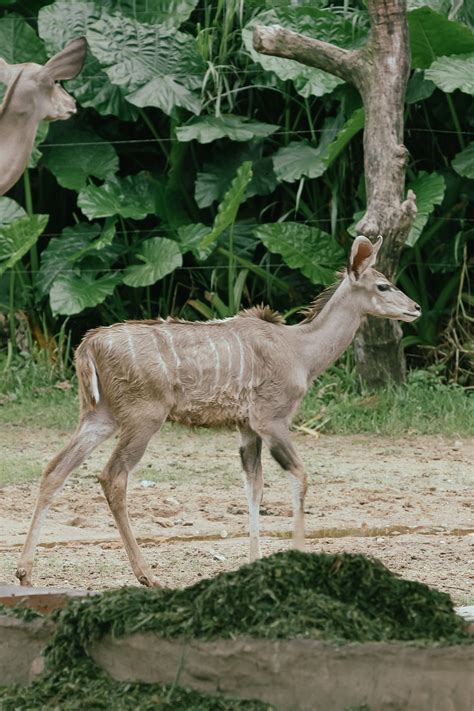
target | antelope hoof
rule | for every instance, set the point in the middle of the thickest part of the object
(149, 581)
(23, 576)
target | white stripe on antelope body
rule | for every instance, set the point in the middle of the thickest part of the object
(250, 371)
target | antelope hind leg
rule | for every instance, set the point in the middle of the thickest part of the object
(250, 455)
(131, 446)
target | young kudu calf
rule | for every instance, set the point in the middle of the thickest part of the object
(250, 370)
(33, 96)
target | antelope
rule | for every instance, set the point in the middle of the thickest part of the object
(250, 370)
(32, 96)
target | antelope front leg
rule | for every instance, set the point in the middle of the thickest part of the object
(284, 453)
(250, 455)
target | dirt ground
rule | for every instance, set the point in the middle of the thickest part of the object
(406, 502)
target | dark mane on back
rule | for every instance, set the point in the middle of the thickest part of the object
(265, 313)
(318, 304)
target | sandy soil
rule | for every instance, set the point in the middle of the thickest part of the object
(407, 502)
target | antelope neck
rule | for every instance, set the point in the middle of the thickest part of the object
(327, 336)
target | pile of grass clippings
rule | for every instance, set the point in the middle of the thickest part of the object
(341, 598)
(22, 613)
(292, 594)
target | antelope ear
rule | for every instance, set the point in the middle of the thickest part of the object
(68, 63)
(363, 255)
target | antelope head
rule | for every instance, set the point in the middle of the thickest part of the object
(377, 295)
(33, 95)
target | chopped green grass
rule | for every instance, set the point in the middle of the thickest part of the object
(339, 598)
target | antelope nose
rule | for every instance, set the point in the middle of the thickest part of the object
(417, 307)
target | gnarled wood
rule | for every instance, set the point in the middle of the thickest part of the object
(380, 72)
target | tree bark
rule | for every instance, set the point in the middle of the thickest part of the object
(380, 72)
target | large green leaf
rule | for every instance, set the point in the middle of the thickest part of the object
(429, 190)
(152, 66)
(10, 211)
(325, 25)
(432, 36)
(463, 162)
(296, 160)
(19, 42)
(18, 237)
(63, 253)
(190, 238)
(299, 159)
(215, 179)
(131, 197)
(352, 126)
(41, 135)
(71, 166)
(237, 128)
(167, 13)
(228, 208)
(418, 88)
(441, 6)
(72, 293)
(451, 73)
(311, 250)
(59, 24)
(160, 256)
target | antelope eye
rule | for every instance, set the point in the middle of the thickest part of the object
(383, 287)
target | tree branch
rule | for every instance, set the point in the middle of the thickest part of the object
(279, 42)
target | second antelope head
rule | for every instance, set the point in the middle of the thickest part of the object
(32, 96)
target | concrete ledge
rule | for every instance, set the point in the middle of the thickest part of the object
(22, 646)
(292, 675)
(300, 675)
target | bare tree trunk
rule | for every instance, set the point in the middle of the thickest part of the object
(380, 72)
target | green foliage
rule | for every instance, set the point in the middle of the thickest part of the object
(228, 208)
(18, 236)
(189, 140)
(429, 191)
(153, 65)
(309, 249)
(72, 293)
(160, 257)
(130, 197)
(19, 41)
(451, 73)
(167, 13)
(72, 168)
(463, 162)
(432, 36)
(237, 128)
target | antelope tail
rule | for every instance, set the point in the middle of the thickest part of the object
(86, 370)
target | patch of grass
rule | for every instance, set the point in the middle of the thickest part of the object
(16, 470)
(425, 405)
(49, 407)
